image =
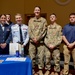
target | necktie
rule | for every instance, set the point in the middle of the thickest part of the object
(21, 38)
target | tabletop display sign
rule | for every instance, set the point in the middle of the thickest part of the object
(13, 47)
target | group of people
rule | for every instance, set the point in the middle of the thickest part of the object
(44, 40)
(10, 32)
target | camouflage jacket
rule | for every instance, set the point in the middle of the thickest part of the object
(37, 28)
(54, 35)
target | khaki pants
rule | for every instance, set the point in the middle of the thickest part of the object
(67, 54)
(56, 57)
(37, 51)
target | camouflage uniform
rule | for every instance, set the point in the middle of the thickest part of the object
(37, 29)
(54, 37)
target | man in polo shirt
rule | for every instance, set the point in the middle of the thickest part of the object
(69, 43)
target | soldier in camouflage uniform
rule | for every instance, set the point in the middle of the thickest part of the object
(52, 41)
(37, 31)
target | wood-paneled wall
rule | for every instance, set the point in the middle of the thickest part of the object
(47, 6)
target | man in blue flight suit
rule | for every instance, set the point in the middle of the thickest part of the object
(4, 34)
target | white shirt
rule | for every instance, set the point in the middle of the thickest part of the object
(16, 33)
(2, 27)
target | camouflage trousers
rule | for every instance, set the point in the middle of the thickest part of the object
(67, 54)
(36, 53)
(55, 54)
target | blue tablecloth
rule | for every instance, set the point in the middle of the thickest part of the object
(15, 67)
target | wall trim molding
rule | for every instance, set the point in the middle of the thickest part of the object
(62, 3)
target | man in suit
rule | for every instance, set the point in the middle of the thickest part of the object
(4, 34)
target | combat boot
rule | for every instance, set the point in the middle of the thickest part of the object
(47, 73)
(52, 73)
(56, 73)
(40, 72)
